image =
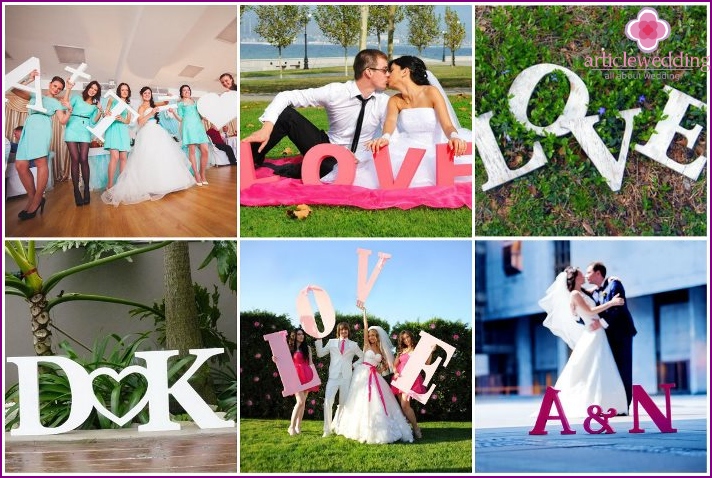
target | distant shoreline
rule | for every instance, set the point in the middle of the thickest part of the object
(295, 63)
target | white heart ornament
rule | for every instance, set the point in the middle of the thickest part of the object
(118, 376)
(218, 109)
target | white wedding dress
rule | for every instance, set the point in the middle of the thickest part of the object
(590, 376)
(156, 166)
(415, 128)
(371, 413)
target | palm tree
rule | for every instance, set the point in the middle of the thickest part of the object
(29, 284)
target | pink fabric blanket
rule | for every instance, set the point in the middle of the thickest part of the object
(292, 191)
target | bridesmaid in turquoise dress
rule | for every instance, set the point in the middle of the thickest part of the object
(35, 143)
(193, 133)
(85, 111)
(116, 137)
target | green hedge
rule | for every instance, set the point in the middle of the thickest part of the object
(261, 388)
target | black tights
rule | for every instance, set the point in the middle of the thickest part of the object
(79, 155)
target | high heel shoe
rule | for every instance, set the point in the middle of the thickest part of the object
(87, 198)
(291, 431)
(417, 433)
(78, 200)
(24, 215)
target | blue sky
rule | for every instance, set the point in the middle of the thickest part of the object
(421, 280)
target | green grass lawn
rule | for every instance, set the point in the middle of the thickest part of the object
(259, 82)
(266, 447)
(568, 196)
(338, 221)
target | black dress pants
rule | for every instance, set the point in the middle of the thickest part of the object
(227, 149)
(303, 134)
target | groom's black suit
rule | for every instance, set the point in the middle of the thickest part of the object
(620, 331)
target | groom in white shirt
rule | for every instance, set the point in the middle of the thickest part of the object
(343, 105)
(342, 351)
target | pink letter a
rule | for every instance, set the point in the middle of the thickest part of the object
(551, 397)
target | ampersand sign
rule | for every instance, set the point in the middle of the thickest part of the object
(595, 412)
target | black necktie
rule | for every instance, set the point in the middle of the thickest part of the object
(359, 122)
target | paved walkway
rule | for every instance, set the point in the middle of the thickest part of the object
(503, 444)
(270, 96)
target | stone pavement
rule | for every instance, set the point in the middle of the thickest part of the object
(503, 444)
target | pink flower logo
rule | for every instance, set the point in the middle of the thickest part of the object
(647, 29)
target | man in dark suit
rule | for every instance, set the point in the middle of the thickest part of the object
(620, 329)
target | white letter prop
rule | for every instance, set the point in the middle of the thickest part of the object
(158, 392)
(417, 362)
(363, 288)
(79, 385)
(171, 106)
(84, 399)
(306, 315)
(118, 376)
(166, 98)
(657, 145)
(219, 110)
(498, 172)
(12, 80)
(596, 150)
(285, 365)
(76, 73)
(117, 108)
(521, 92)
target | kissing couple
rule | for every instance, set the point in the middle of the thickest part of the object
(597, 325)
(364, 119)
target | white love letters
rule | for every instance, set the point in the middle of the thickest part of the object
(219, 110)
(12, 80)
(118, 106)
(78, 72)
(84, 400)
(573, 120)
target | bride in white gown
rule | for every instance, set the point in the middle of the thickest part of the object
(419, 116)
(590, 376)
(371, 413)
(156, 165)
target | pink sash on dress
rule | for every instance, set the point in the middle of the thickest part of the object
(372, 377)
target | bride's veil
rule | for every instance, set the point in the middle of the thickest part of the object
(559, 317)
(434, 81)
(386, 344)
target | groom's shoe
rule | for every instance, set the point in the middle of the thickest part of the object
(293, 171)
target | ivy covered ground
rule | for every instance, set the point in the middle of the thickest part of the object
(568, 196)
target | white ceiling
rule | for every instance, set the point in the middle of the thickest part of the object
(142, 45)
